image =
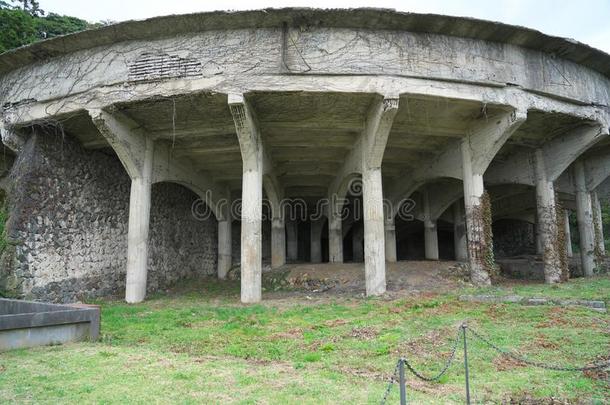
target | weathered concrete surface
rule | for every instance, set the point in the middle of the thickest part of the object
(299, 103)
(29, 324)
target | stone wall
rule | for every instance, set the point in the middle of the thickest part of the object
(513, 238)
(67, 226)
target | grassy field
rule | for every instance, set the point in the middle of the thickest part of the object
(199, 345)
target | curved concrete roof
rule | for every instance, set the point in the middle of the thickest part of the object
(166, 26)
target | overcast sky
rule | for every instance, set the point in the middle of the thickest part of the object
(587, 21)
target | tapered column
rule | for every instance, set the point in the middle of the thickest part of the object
(357, 243)
(292, 240)
(568, 234)
(252, 154)
(459, 232)
(278, 243)
(478, 249)
(224, 248)
(316, 241)
(598, 223)
(137, 234)
(374, 243)
(584, 216)
(430, 231)
(547, 223)
(335, 235)
(390, 241)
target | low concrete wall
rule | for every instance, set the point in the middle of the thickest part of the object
(28, 324)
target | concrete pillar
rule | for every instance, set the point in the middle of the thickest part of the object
(278, 243)
(335, 236)
(138, 228)
(568, 235)
(390, 241)
(224, 248)
(315, 245)
(475, 227)
(251, 234)
(430, 232)
(547, 222)
(292, 240)
(584, 216)
(357, 243)
(459, 232)
(374, 243)
(598, 223)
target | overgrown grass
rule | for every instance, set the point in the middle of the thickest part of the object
(200, 345)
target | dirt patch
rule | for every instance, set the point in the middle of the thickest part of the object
(527, 399)
(601, 375)
(363, 333)
(295, 333)
(504, 363)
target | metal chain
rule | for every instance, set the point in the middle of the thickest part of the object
(536, 363)
(445, 368)
(393, 379)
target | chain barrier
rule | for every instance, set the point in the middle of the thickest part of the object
(445, 367)
(538, 364)
(391, 383)
(462, 331)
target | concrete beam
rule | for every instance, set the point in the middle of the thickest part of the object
(484, 140)
(558, 154)
(43, 110)
(11, 138)
(584, 215)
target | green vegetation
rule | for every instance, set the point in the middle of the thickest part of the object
(23, 22)
(197, 344)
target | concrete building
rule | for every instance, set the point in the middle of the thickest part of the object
(126, 148)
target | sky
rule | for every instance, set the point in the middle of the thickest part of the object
(584, 20)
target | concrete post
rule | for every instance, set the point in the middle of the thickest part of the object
(335, 236)
(374, 243)
(278, 243)
(390, 241)
(251, 231)
(598, 223)
(292, 240)
(568, 235)
(357, 243)
(547, 222)
(224, 248)
(584, 216)
(459, 232)
(477, 245)
(138, 228)
(430, 232)
(315, 233)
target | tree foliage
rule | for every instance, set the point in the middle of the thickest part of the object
(23, 22)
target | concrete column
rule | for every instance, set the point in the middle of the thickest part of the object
(598, 223)
(335, 237)
(430, 232)
(374, 243)
(315, 253)
(584, 216)
(357, 243)
(547, 222)
(138, 228)
(477, 245)
(224, 248)
(390, 241)
(292, 240)
(459, 232)
(251, 234)
(278, 243)
(568, 235)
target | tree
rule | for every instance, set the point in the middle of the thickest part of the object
(25, 23)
